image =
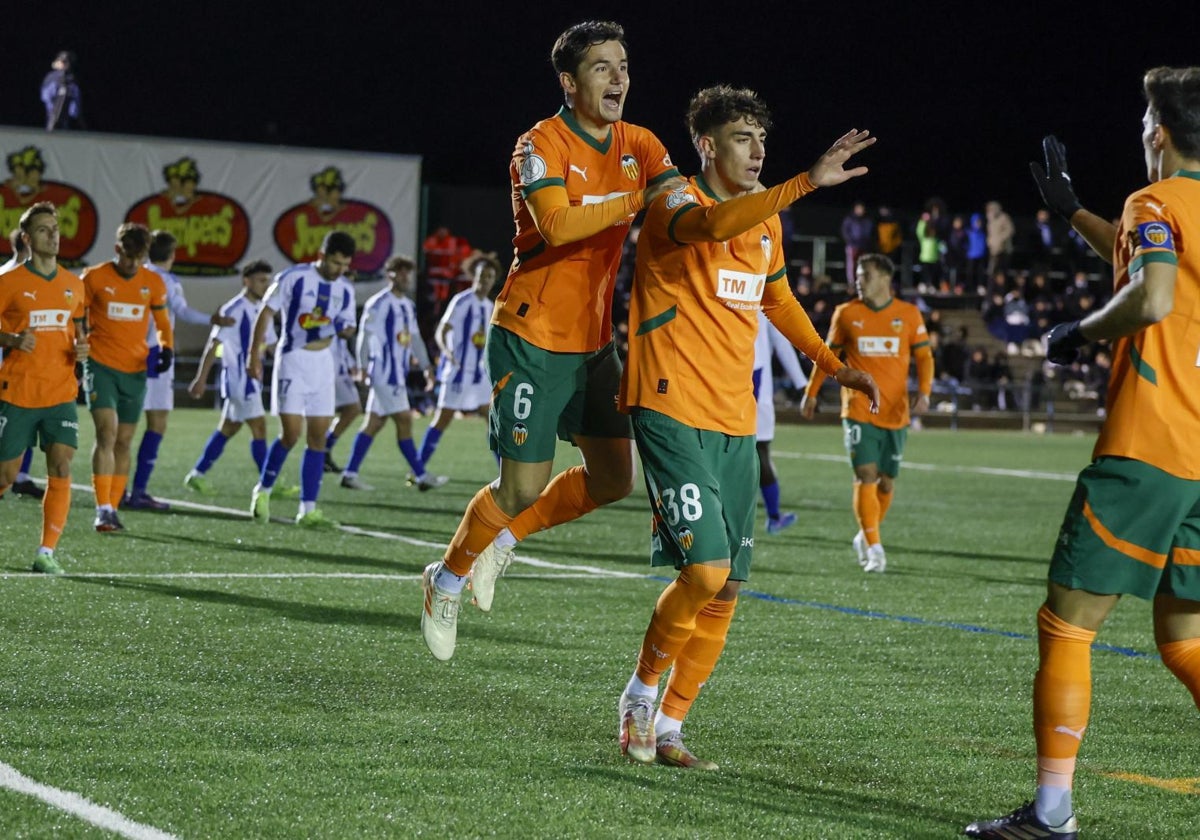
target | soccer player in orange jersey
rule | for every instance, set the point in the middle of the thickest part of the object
(122, 296)
(878, 333)
(578, 179)
(709, 257)
(1133, 525)
(41, 329)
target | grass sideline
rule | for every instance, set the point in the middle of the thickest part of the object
(207, 677)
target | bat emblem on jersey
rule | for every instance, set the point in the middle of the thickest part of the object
(629, 166)
(520, 434)
(897, 325)
(582, 172)
(686, 538)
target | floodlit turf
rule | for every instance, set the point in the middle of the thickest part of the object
(206, 677)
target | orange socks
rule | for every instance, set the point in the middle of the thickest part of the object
(674, 618)
(565, 498)
(885, 502)
(118, 490)
(698, 658)
(55, 505)
(1062, 696)
(866, 509)
(102, 484)
(1183, 658)
(480, 524)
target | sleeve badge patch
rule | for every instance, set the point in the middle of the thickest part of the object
(679, 197)
(533, 168)
(1155, 235)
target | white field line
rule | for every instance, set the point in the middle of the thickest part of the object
(77, 806)
(912, 465)
(573, 570)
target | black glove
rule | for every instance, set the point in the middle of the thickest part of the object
(165, 356)
(1063, 343)
(1054, 182)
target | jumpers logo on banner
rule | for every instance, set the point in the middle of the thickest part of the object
(299, 231)
(212, 229)
(25, 186)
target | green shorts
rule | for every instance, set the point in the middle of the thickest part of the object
(539, 396)
(21, 428)
(108, 388)
(1130, 529)
(868, 444)
(703, 489)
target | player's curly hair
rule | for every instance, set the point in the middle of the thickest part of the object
(715, 106)
(1174, 97)
(570, 47)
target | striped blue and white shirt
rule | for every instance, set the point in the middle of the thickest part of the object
(235, 345)
(310, 307)
(389, 339)
(468, 318)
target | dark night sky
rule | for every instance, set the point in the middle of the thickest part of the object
(958, 95)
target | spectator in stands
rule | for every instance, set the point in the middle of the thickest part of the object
(444, 255)
(957, 245)
(953, 355)
(979, 377)
(1042, 244)
(1000, 233)
(977, 253)
(61, 94)
(889, 236)
(929, 253)
(858, 232)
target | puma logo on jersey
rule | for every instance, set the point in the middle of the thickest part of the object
(111, 290)
(582, 172)
(30, 295)
(1077, 734)
(857, 324)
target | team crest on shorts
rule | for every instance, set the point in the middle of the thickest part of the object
(629, 166)
(520, 434)
(686, 538)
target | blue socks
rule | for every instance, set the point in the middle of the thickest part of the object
(409, 450)
(429, 443)
(274, 463)
(146, 456)
(258, 451)
(770, 494)
(212, 451)
(312, 469)
(362, 442)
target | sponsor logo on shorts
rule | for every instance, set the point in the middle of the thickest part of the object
(747, 542)
(629, 166)
(520, 434)
(686, 538)
(70, 424)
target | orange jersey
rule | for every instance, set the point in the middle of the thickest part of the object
(559, 297)
(1154, 388)
(50, 307)
(118, 312)
(693, 316)
(879, 341)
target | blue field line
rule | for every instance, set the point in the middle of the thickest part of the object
(923, 622)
